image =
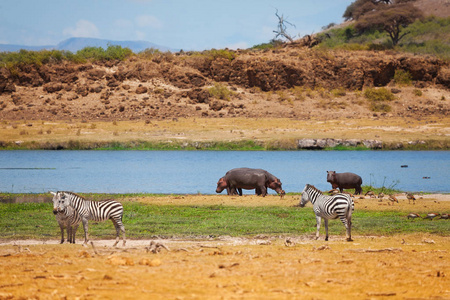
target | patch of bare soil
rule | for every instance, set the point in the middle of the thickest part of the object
(403, 266)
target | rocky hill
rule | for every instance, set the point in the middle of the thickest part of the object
(295, 82)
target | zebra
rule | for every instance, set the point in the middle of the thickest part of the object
(70, 219)
(329, 207)
(91, 210)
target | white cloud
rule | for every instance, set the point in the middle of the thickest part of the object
(83, 28)
(148, 21)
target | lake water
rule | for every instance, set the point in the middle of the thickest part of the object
(191, 172)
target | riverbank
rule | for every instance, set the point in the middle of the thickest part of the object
(428, 133)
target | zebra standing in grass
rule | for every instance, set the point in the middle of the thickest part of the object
(329, 207)
(91, 210)
(70, 219)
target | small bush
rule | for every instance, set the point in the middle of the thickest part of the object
(271, 45)
(377, 97)
(113, 52)
(297, 91)
(149, 53)
(402, 77)
(417, 92)
(222, 53)
(282, 96)
(380, 94)
(220, 91)
(380, 107)
(339, 92)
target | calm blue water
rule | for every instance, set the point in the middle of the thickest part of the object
(191, 172)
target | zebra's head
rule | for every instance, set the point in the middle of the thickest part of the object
(60, 202)
(305, 196)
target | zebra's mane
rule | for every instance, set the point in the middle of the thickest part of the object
(314, 188)
(72, 193)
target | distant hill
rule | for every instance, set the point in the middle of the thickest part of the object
(75, 44)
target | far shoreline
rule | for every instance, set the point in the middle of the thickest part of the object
(240, 145)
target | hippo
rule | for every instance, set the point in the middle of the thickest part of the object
(222, 184)
(245, 178)
(345, 181)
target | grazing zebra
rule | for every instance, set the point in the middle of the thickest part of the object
(329, 207)
(91, 210)
(70, 219)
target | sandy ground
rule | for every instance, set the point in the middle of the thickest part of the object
(403, 266)
(399, 267)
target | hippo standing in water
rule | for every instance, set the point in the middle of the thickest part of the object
(245, 178)
(345, 181)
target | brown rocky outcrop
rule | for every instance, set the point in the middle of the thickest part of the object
(258, 83)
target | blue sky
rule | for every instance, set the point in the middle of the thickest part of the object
(178, 24)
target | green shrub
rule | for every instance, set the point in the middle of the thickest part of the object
(149, 53)
(222, 53)
(417, 92)
(402, 77)
(113, 52)
(339, 92)
(377, 97)
(220, 91)
(380, 107)
(271, 45)
(378, 94)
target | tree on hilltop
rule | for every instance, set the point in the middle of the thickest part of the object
(392, 16)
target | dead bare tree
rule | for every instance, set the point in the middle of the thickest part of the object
(282, 28)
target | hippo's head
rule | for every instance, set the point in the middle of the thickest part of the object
(221, 185)
(331, 176)
(275, 184)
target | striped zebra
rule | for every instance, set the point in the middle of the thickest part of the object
(91, 210)
(329, 207)
(68, 219)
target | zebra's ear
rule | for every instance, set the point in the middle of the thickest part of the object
(53, 193)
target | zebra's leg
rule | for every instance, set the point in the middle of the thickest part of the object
(69, 234)
(123, 231)
(62, 233)
(85, 227)
(318, 220)
(74, 232)
(325, 221)
(119, 227)
(348, 223)
(349, 229)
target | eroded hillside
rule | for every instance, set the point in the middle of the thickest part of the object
(293, 82)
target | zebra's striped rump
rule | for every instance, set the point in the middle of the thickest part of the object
(329, 207)
(91, 210)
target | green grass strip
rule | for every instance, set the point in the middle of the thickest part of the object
(142, 221)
